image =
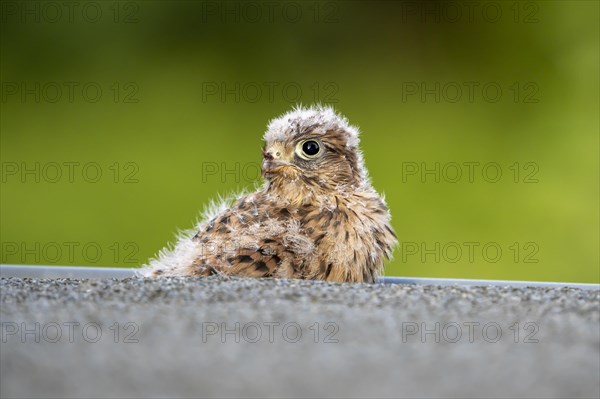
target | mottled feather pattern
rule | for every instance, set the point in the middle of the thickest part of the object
(316, 216)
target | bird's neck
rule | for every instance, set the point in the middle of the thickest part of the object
(300, 192)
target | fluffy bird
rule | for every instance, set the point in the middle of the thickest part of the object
(317, 216)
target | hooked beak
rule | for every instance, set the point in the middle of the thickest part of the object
(275, 160)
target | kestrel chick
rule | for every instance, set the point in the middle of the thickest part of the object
(317, 215)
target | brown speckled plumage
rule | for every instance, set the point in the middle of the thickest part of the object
(316, 217)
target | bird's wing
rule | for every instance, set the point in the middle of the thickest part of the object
(231, 254)
(254, 263)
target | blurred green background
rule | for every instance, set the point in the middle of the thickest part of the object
(169, 100)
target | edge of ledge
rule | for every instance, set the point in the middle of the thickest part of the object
(31, 271)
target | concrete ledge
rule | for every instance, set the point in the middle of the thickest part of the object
(248, 338)
(30, 271)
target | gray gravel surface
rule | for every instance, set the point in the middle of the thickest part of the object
(179, 337)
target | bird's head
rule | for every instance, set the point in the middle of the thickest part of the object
(313, 147)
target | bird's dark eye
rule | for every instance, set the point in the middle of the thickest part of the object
(308, 149)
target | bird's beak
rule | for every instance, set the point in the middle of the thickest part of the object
(275, 158)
